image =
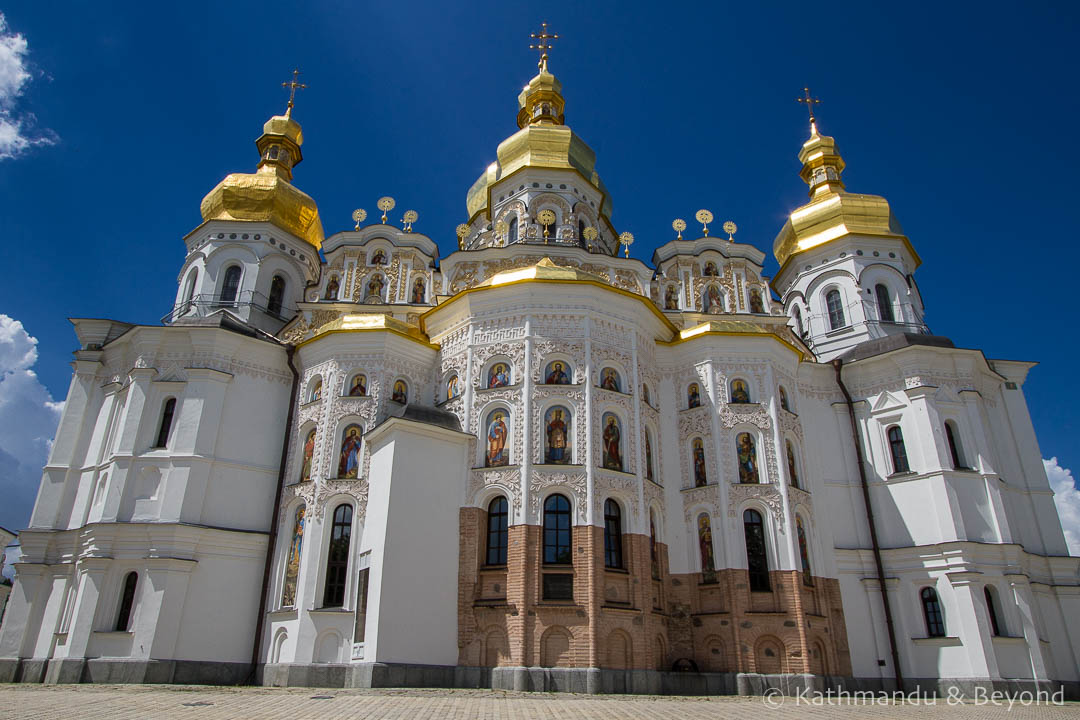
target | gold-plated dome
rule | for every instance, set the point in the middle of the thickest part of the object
(544, 141)
(267, 195)
(832, 211)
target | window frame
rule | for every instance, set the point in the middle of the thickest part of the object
(956, 453)
(498, 533)
(553, 534)
(168, 415)
(336, 579)
(225, 284)
(933, 612)
(127, 602)
(613, 535)
(280, 300)
(897, 450)
(837, 313)
(883, 298)
(757, 558)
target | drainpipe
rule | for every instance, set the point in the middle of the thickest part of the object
(272, 539)
(837, 363)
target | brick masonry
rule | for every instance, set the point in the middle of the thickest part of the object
(629, 619)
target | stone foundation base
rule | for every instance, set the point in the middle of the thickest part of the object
(537, 679)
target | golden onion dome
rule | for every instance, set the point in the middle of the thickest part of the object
(832, 212)
(267, 195)
(543, 141)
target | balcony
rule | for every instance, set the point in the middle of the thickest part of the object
(204, 305)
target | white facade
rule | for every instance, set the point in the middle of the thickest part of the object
(204, 512)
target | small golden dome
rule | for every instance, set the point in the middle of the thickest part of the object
(267, 195)
(832, 212)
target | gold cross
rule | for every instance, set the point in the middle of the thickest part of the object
(810, 103)
(293, 87)
(542, 45)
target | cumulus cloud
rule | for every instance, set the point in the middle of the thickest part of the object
(28, 418)
(17, 131)
(1067, 499)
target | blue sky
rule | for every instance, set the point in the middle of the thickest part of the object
(961, 114)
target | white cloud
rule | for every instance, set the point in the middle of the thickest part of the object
(17, 132)
(1067, 499)
(28, 418)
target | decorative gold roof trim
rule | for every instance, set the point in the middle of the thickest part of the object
(722, 328)
(371, 322)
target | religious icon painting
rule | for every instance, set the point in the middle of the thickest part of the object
(710, 270)
(418, 292)
(375, 289)
(740, 393)
(649, 475)
(693, 396)
(349, 459)
(783, 399)
(611, 437)
(292, 562)
(793, 473)
(358, 385)
(332, 288)
(556, 373)
(378, 258)
(316, 391)
(747, 452)
(453, 387)
(714, 300)
(308, 454)
(400, 393)
(556, 436)
(499, 375)
(697, 449)
(705, 547)
(756, 304)
(497, 451)
(609, 379)
(671, 298)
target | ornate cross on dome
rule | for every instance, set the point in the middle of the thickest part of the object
(293, 87)
(542, 44)
(810, 102)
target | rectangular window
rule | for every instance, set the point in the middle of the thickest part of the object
(558, 586)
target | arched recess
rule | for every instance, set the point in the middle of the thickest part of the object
(715, 659)
(328, 647)
(498, 371)
(496, 648)
(281, 637)
(769, 656)
(555, 647)
(620, 653)
(497, 437)
(556, 369)
(660, 654)
(819, 658)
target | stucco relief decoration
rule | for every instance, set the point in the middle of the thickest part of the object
(767, 495)
(543, 349)
(560, 327)
(625, 486)
(697, 423)
(726, 282)
(513, 350)
(698, 499)
(798, 498)
(573, 482)
(507, 480)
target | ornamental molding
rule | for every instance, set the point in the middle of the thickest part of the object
(316, 494)
(574, 399)
(506, 479)
(799, 498)
(702, 498)
(573, 482)
(767, 495)
(542, 352)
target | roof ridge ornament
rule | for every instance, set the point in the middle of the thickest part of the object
(293, 86)
(542, 45)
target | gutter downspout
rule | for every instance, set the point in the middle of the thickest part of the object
(272, 539)
(837, 363)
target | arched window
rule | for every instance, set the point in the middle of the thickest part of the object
(612, 534)
(898, 451)
(512, 232)
(884, 303)
(931, 607)
(757, 563)
(996, 626)
(277, 295)
(230, 286)
(581, 232)
(740, 391)
(337, 556)
(127, 602)
(792, 465)
(166, 423)
(654, 557)
(783, 399)
(954, 446)
(497, 532)
(189, 289)
(797, 314)
(835, 306)
(557, 530)
(804, 551)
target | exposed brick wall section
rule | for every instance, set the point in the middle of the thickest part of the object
(611, 622)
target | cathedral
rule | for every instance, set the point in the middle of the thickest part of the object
(539, 463)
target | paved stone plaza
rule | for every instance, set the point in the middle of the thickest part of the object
(38, 702)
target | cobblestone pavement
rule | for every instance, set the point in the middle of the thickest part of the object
(37, 702)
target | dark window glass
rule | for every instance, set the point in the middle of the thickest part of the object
(127, 601)
(277, 295)
(189, 293)
(166, 422)
(612, 535)
(496, 532)
(231, 285)
(798, 322)
(954, 449)
(361, 606)
(512, 233)
(581, 232)
(557, 530)
(835, 307)
(337, 557)
(991, 610)
(899, 452)
(558, 586)
(931, 606)
(756, 561)
(884, 304)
